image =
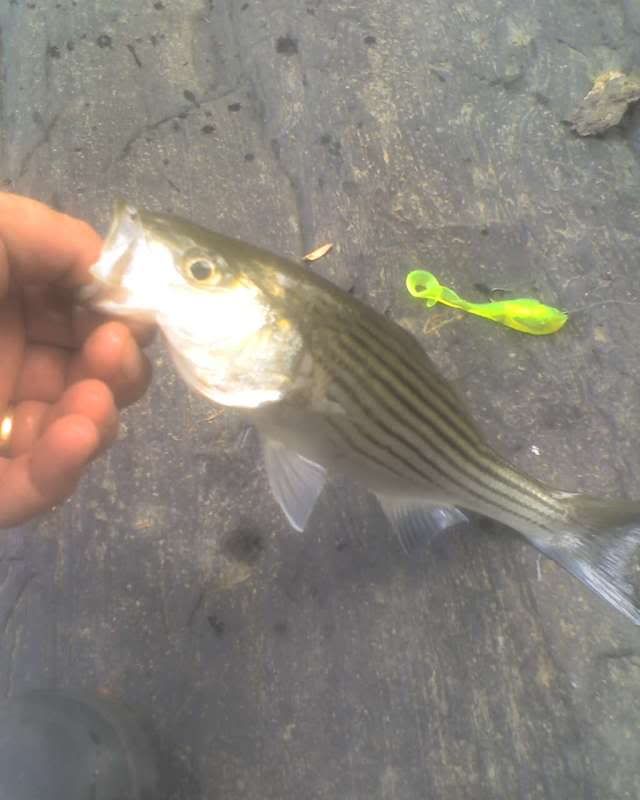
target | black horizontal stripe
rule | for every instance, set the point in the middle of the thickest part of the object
(345, 435)
(438, 424)
(422, 375)
(438, 476)
(343, 424)
(441, 397)
(419, 375)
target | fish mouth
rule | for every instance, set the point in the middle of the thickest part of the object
(124, 215)
(116, 284)
(124, 233)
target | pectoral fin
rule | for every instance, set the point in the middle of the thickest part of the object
(295, 481)
(415, 520)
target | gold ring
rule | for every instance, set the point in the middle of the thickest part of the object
(6, 428)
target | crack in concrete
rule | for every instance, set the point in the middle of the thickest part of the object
(11, 590)
(45, 139)
(139, 132)
(303, 210)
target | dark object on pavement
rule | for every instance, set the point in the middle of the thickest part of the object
(59, 746)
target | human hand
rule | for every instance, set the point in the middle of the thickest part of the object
(64, 371)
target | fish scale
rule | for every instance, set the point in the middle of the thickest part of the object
(414, 433)
(441, 418)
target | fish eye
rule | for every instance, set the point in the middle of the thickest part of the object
(200, 270)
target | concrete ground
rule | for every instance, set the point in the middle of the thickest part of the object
(268, 665)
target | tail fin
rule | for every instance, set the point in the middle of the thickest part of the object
(600, 546)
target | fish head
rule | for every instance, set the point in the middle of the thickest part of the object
(152, 264)
(203, 291)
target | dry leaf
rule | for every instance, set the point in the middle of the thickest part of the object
(314, 255)
(606, 103)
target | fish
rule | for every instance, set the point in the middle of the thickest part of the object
(523, 314)
(336, 388)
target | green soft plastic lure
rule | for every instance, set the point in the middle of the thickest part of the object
(523, 314)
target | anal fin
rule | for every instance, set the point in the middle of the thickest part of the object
(416, 521)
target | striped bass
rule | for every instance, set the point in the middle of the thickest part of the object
(335, 387)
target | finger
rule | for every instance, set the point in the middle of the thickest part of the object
(11, 347)
(85, 322)
(38, 480)
(43, 374)
(52, 318)
(28, 422)
(90, 398)
(48, 315)
(143, 332)
(112, 355)
(43, 245)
